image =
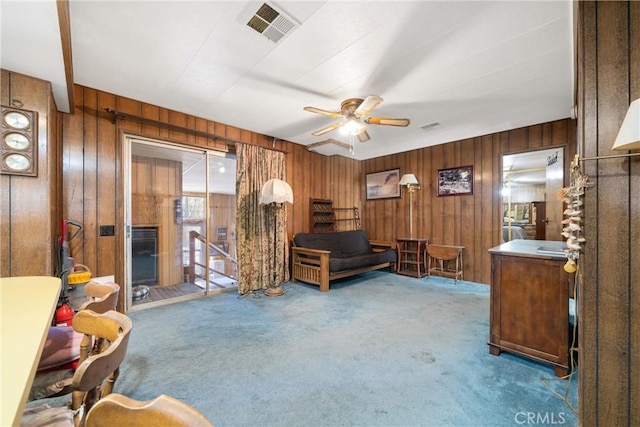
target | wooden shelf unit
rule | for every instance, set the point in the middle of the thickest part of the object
(352, 218)
(322, 217)
(411, 257)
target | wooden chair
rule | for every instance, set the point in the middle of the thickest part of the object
(59, 349)
(98, 370)
(119, 410)
(61, 353)
(103, 296)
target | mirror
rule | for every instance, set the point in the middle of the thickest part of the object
(530, 181)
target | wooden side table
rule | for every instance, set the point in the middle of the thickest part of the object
(411, 256)
(445, 260)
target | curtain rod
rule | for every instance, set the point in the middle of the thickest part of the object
(115, 115)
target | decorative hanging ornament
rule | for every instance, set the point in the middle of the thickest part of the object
(572, 230)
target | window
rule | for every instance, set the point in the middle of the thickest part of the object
(193, 208)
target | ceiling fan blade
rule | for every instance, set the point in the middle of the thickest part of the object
(327, 113)
(327, 129)
(363, 136)
(369, 103)
(387, 121)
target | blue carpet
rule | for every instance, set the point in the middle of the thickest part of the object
(376, 350)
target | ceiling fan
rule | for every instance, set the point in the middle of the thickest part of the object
(352, 112)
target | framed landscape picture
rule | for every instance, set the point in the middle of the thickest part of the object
(455, 181)
(383, 184)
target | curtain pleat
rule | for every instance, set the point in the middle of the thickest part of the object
(261, 232)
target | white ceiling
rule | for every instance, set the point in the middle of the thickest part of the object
(475, 67)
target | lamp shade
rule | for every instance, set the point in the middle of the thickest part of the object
(409, 179)
(629, 134)
(276, 191)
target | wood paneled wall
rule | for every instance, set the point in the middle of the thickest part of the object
(92, 147)
(527, 193)
(30, 207)
(92, 162)
(609, 298)
(473, 221)
(155, 185)
(314, 176)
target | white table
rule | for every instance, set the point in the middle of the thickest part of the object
(28, 304)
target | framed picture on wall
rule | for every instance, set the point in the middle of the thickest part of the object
(455, 181)
(221, 233)
(383, 184)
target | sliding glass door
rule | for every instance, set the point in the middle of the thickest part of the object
(173, 193)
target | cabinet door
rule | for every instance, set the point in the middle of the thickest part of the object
(530, 307)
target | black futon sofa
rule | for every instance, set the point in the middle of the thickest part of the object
(318, 258)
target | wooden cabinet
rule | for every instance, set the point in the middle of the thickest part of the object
(530, 302)
(411, 257)
(322, 217)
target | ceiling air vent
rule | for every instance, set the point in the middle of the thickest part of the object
(270, 22)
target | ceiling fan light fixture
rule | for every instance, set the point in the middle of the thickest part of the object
(353, 112)
(352, 126)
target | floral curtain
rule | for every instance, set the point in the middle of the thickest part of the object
(261, 232)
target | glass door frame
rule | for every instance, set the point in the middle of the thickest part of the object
(129, 140)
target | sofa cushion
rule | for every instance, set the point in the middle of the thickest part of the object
(374, 258)
(342, 244)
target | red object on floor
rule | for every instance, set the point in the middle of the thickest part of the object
(64, 315)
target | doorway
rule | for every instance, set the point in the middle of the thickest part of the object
(176, 199)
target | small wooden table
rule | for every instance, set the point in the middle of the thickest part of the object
(445, 260)
(28, 304)
(411, 256)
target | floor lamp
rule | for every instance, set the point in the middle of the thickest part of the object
(275, 192)
(410, 181)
